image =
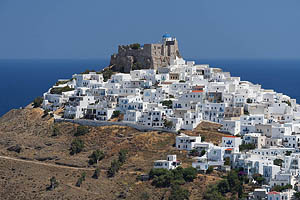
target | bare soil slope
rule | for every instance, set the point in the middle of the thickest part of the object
(26, 175)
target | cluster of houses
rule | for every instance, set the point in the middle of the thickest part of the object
(182, 95)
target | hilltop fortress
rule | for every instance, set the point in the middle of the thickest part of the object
(147, 56)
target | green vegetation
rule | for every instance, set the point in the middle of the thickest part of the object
(81, 130)
(209, 170)
(87, 71)
(53, 183)
(81, 179)
(278, 162)
(288, 103)
(258, 178)
(232, 183)
(116, 164)
(137, 66)
(167, 103)
(60, 90)
(288, 153)
(168, 124)
(247, 147)
(227, 161)
(77, 146)
(113, 169)
(106, 73)
(194, 152)
(37, 102)
(297, 195)
(96, 173)
(178, 193)
(182, 81)
(135, 46)
(145, 196)
(116, 114)
(166, 178)
(61, 82)
(279, 188)
(95, 157)
(55, 131)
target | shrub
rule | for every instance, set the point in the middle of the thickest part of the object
(145, 196)
(106, 73)
(246, 147)
(278, 162)
(209, 170)
(178, 193)
(95, 157)
(202, 153)
(288, 153)
(168, 124)
(96, 173)
(81, 179)
(258, 178)
(223, 186)
(189, 174)
(55, 131)
(135, 46)
(194, 152)
(61, 82)
(37, 102)
(53, 183)
(113, 169)
(122, 156)
(81, 130)
(157, 172)
(116, 114)
(77, 146)
(279, 188)
(60, 90)
(167, 103)
(227, 161)
(163, 181)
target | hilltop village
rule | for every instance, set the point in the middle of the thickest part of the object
(263, 126)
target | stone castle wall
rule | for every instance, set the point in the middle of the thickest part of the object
(150, 56)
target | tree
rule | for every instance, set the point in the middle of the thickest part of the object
(278, 162)
(96, 156)
(116, 114)
(178, 193)
(223, 186)
(53, 183)
(168, 124)
(81, 130)
(77, 146)
(189, 174)
(37, 102)
(202, 153)
(288, 153)
(297, 195)
(96, 173)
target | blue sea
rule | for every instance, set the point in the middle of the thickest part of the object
(23, 80)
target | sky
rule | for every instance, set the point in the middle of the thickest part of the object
(210, 29)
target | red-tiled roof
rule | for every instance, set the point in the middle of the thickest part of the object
(197, 90)
(273, 192)
(228, 149)
(230, 136)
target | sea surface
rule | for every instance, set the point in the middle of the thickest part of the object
(23, 80)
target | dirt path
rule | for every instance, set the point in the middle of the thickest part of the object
(45, 164)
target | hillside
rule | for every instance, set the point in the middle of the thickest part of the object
(26, 175)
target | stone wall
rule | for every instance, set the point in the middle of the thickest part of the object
(150, 56)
